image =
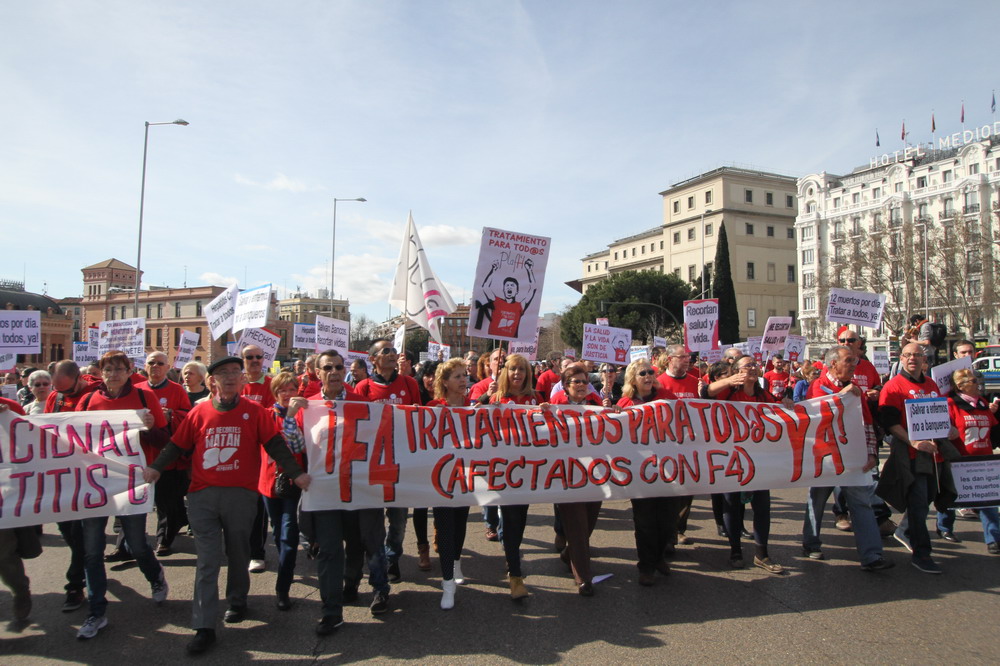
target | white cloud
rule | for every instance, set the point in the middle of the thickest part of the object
(218, 279)
(255, 248)
(446, 234)
(363, 279)
(280, 183)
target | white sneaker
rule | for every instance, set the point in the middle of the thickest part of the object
(160, 588)
(458, 577)
(902, 538)
(448, 598)
(257, 566)
(91, 626)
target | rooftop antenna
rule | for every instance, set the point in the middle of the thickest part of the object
(185, 276)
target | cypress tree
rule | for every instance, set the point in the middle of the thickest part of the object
(723, 289)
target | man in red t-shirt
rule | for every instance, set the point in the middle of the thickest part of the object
(550, 377)
(389, 387)
(309, 383)
(224, 437)
(173, 483)
(675, 363)
(257, 386)
(777, 379)
(481, 390)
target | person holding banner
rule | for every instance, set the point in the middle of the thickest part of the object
(750, 390)
(578, 519)
(257, 388)
(224, 437)
(450, 523)
(978, 434)
(40, 385)
(425, 381)
(118, 392)
(841, 366)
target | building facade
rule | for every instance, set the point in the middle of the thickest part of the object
(876, 230)
(302, 307)
(759, 211)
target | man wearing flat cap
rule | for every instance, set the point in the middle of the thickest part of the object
(224, 437)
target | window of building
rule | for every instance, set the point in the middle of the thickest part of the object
(708, 268)
(749, 229)
(159, 337)
(769, 198)
(947, 175)
(898, 187)
(661, 245)
(149, 311)
(691, 274)
(588, 270)
(791, 273)
(973, 169)
(677, 237)
(197, 332)
(690, 202)
(677, 272)
(159, 310)
(771, 271)
(177, 337)
(149, 333)
(896, 216)
(856, 198)
(616, 255)
(789, 201)
(972, 261)
(691, 234)
(750, 270)
(751, 318)
(808, 280)
(971, 201)
(708, 197)
(791, 313)
(949, 206)
(177, 309)
(836, 202)
(197, 308)
(876, 192)
(770, 231)
(748, 196)
(790, 233)
(643, 248)
(921, 181)
(975, 287)
(809, 302)
(708, 229)
(808, 233)
(811, 207)
(633, 252)
(922, 212)
(856, 225)
(808, 256)
(677, 207)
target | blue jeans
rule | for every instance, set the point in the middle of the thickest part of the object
(867, 538)
(72, 532)
(918, 500)
(285, 523)
(394, 535)
(330, 561)
(94, 541)
(989, 517)
(364, 539)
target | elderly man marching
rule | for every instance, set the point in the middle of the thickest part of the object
(224, 436)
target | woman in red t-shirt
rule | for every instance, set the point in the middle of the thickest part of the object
(748, 389)
(283, 511)
(425, 382)
(978, 435)
(641, 386)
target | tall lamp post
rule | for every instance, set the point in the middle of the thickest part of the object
(333, 247)
(142, 202)
(703, 214)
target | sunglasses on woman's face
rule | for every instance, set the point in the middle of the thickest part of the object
(643, 373)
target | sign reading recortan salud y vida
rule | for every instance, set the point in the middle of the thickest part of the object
(606, 344)
(263, 338)
(858, 308)
(775, 334)
(252, 308)
(370, 455)
(72, 465)
(20, 331)
(927, 418)
(701, 324)
(220, 312)
(188, 343)
(507, 292)
(977, 480)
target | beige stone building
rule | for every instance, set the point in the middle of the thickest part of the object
(301, 307)
(759, 211)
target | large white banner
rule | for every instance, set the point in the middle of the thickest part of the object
(304, 337)
(20, 331)
(220, 312)
(252, 308)
(332, 334)
(365, 455)
(185, 349)
(263, 338)
(126, 335)
(72, 465)
(509, 278)
(606, 344)
(858, 308)
(701, 324)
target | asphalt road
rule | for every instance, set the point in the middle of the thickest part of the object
(820, 612)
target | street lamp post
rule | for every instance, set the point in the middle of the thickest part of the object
(703, 214)
(333, 246)
(142, 202)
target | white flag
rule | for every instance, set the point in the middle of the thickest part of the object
(416, 290)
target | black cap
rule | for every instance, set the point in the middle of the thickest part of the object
(225, 361)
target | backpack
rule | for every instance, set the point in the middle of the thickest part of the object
(938, 333)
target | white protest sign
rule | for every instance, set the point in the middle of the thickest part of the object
(399, 339)
(569, 352)
(9, 391)
(711, 356)
(304, 336)
(9, 361)
(795, 345)
(927, 418)
(753, 348)
(252, 308)
(775, 334)
(601, 321)
(880, 359)
(860, 308)
(436, 352)
(977, 480)
(606, 344)
(941, 374)
(83, 355)
(659, 342)
(231, 349)
(529, 350)
(20, 331)
(263, 338)
(186, 348)
(220, 312)
(71, 465)
(353, 356)
(639, 351)
(507, 291)
(701, 324)
(332, 334)
(126, 335)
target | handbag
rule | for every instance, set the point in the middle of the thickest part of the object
(284, 487)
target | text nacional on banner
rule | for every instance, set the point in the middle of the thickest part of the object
(368, 455)
(56, 467)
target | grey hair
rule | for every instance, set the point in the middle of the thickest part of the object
(833, 355)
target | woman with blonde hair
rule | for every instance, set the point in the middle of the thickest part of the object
(641, 386)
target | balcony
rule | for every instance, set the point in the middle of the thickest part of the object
(896, 222)
(837, 236)
(878, 228)
(923, 219)
(970, 209)
(946, 215)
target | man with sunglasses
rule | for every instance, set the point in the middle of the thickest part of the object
(387, 386)
(866, 377)
(173, 483)
(258, 384)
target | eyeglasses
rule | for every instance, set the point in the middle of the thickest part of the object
(680, 356)
(331, 368)
(37, 384)
(643, 373)
(911, 355)
(155, 363)
(844, 341)
(574, 382)
(253, 357)
(748, 366)
(385, 351)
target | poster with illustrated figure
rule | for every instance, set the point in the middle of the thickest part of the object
(508, 290)
(606, 344)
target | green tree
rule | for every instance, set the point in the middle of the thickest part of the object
(646, 302)
(723, 289)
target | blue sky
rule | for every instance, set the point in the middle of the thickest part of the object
(562, 119)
